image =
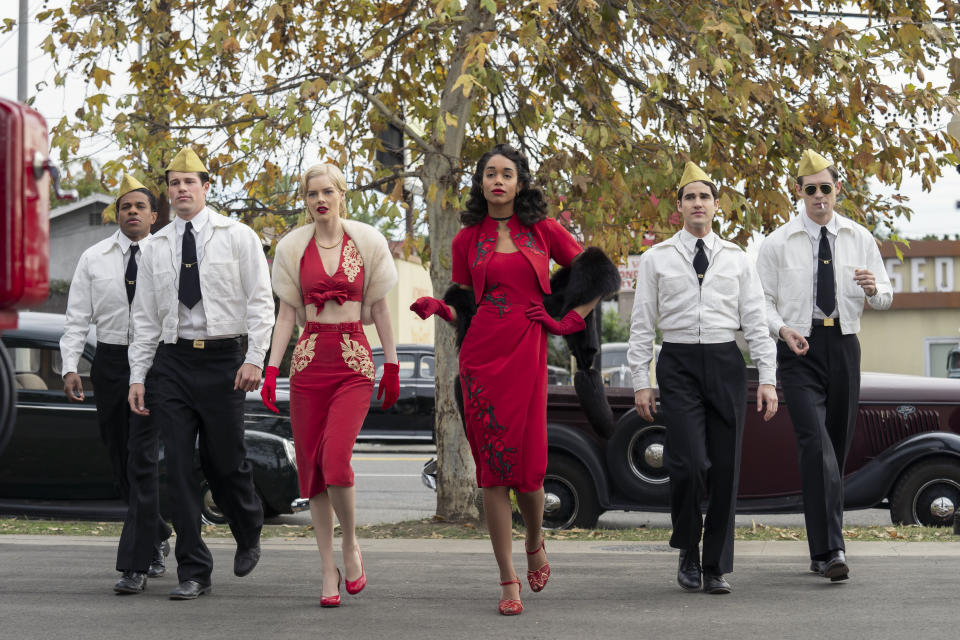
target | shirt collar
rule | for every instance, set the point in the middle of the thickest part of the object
(689, 241)
(198, 221)
(813, 229)
(121, 240)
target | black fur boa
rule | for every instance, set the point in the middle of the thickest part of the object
(464, 303)
(591, 275)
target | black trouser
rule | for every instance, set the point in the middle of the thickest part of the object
(132, 443)
(703, 398)
(190, 393)
(822, 390)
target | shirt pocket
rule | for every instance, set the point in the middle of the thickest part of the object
(847, 286)
(723, 292)
(104, 291)
(222, 288)
(671, 292)
(794, 284)
(165, 291)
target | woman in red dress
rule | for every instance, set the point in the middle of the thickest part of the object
(331, 275)
(501, 263)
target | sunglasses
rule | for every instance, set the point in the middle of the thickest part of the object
(811, 189)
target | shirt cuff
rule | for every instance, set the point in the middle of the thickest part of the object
(255, 357)
(768, 376)
(641, 381)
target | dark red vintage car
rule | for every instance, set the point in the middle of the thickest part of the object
(905, 455)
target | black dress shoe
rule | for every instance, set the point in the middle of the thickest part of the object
(715, 584)
(835, 567)
(816, 566)
(189, 590)
(131, 582)
(245, 560)
(689, 571)
(158, 565)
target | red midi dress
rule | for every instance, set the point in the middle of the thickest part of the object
(331, 375)
(503, 358)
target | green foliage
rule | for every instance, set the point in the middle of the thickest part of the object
(558, 353)
(613, 328)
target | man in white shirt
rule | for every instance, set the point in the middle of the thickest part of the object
(699, 290)
(101, 293)
(817, 270)
(204, 284)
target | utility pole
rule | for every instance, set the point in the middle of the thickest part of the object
(22, 53)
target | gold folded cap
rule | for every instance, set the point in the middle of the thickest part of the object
(128, 184)
(812, 162)
(693, 173)
(187, 160)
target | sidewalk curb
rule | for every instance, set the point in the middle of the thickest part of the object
(749, 548)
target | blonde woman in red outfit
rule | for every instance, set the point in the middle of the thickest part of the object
(331, 275)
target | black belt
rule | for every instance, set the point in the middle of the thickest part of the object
(106, 346)
(217, 343)
(826, 322)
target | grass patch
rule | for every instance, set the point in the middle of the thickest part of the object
(436, 528)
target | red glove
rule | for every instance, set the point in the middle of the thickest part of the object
(268, 393)
(390, 382)
(571, 323)
(427, 306)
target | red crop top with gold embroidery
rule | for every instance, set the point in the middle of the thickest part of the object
(318, 287)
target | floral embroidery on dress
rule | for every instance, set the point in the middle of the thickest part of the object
(498, 456)
(483, 248)
(497, 299)
(352, 262)
(302, 354)
(357, 357)
(525, 239)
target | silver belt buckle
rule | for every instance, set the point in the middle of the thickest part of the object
(198, 344)
(827, 322)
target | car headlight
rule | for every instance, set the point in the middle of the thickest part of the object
(291, 452)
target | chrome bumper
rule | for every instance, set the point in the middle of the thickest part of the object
(300, 504)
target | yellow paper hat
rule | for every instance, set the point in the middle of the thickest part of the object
(187, 160)
(128, 184)
(812, 162)
(693, 173)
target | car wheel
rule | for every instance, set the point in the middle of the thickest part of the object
(8, 397)
(928, 493)
(570, 499)
(635, 459)
(209, 511)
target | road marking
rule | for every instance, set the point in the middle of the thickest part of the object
(393, 458)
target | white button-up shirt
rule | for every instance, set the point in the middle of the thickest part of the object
(98, 296)
(234, 283)
(669, 298)
(813, 230)
(193, 321)
(785, 264)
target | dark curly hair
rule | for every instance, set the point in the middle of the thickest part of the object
(152, 198)
(530, 206)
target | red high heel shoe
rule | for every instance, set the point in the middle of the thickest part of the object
(356, 586)
(328, 602)
(511, 607)
(538, 578)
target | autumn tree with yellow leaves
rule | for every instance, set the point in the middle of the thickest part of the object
(608, 98)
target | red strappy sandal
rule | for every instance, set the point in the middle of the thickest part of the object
(538, 578)
(511, 607)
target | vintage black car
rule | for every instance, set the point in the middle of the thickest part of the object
(411, 418)
(905, 456)
(55, 463)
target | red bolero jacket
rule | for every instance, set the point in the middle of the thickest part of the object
(473, 246)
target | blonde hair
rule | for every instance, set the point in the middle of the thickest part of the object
(333, 172)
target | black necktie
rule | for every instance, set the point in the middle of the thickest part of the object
(189, 271)
(700, 261)
(130, 275)
(826, 288)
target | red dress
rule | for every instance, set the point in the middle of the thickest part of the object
(503, 358)
(331, 375)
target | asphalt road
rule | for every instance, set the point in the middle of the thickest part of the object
(56, 588)
(389, 490)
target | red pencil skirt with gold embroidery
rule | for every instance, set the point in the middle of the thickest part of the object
(331, 380)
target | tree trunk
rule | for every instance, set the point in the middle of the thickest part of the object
(456, 487)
